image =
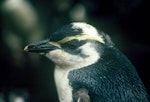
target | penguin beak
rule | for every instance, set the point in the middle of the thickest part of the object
(40, 47)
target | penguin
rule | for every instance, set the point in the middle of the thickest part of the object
(88, 67)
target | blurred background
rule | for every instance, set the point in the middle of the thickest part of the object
(26, 77)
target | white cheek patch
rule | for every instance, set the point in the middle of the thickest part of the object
(62, 58)
(67, 60)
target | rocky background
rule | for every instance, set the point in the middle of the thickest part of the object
(26, 77)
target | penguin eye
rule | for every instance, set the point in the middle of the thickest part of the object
(73, 44)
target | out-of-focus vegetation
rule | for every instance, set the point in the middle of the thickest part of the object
(29, 77)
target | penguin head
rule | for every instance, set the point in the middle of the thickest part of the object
(73, 45)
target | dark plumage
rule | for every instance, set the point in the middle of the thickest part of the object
(112, 79)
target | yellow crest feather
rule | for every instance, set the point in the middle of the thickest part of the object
(77, 37)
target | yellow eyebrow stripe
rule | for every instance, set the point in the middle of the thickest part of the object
(80, 37)
(77, 37)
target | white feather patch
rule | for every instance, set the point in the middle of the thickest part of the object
(86, 28)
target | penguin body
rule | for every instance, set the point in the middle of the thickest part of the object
(111, 79)
(88, 68)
